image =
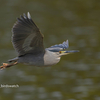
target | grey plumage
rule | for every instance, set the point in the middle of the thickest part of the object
(26, 36)
(28, 42)
(59, 47)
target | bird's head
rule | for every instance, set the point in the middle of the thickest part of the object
(60, 49)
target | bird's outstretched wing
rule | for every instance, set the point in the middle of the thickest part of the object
(59, 47)
(26, 36)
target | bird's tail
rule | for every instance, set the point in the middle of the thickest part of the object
(10, 63)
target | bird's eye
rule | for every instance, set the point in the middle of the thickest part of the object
(60, 52)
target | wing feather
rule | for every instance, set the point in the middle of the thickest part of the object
(59, 47)
(26, 36)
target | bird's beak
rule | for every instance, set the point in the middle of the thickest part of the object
(68, 52)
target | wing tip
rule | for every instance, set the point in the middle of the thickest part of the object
(66, 44)
(67, 41)
(28, 15)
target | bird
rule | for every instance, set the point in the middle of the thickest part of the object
(27, 41)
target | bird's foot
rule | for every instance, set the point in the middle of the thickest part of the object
(6, 65)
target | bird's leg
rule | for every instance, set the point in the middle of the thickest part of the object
(6, 65)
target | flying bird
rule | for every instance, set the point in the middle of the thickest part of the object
(28, 43)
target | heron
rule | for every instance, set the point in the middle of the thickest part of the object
(27, 41)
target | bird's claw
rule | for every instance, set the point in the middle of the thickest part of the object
(6, 65)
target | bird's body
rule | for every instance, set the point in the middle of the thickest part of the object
(42, 59)
(28, 42)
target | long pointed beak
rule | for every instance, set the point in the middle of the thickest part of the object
(68, 52)
(72, 51)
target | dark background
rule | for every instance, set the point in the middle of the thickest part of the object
(76, 76)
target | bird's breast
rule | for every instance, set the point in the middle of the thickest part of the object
(51, 59)
(46, 59)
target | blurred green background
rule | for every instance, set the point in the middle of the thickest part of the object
(76, 76)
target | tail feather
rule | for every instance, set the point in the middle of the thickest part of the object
(13, 60)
